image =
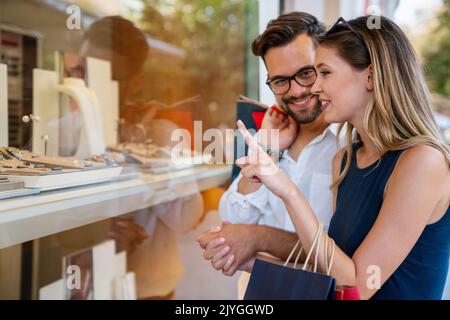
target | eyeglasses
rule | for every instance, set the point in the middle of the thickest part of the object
(339, 20)
(303, 77)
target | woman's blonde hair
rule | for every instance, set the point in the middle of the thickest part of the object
(400, 114)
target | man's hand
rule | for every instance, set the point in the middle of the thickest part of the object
(127, 234)
(275, 118)
(244, 241)
(285, 124)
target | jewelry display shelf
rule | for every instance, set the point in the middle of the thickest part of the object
(34, 216)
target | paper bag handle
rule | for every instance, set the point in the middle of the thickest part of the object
(315, 245)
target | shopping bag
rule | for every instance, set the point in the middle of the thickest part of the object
(271, 281)
(347, 293)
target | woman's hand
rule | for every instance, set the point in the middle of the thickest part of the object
(259, 167)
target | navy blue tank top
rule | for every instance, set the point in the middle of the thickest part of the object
(423, 273)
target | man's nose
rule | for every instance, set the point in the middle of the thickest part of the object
(297, 90)
(316, 87)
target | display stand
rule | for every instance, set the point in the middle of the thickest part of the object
(32, 217)
(3, 105)
(46, 112)
(99, 79)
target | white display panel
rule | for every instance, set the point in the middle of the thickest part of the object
(104, 270)
(53, 291)
(107, 91)
(3, 106)
(46, 112)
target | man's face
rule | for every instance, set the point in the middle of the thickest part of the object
(286, 61)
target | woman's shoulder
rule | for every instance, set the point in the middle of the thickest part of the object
(422, 172)
(423, 155)
(423, 162)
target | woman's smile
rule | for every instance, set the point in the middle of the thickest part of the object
(325, 104)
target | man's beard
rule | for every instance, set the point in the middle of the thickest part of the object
(302, 116)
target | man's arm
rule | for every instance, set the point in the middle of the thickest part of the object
(277, 242)
(236, 207)
(231, 246)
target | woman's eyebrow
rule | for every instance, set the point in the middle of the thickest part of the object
(322, 64)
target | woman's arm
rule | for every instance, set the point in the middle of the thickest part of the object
(417, 194)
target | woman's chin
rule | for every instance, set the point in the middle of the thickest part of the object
(329, 116)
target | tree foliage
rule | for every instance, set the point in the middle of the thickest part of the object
(437, 53)
(211, 33)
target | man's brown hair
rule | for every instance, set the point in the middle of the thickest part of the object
(284, 29)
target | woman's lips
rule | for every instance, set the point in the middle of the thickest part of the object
(325, 104)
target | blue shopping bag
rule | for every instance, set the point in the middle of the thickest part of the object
(271, 281)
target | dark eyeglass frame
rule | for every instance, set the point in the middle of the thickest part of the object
(289, 80)
(345, 23)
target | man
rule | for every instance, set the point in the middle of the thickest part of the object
(255, 220)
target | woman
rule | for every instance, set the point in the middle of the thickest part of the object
(392, 180)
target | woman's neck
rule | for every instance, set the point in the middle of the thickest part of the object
(368, 150)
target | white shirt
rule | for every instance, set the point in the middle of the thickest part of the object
(311, 173)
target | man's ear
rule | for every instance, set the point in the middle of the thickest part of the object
(369, 82)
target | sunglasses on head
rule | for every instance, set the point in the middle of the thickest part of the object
(345, 23)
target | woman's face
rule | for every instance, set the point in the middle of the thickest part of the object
(344, 91)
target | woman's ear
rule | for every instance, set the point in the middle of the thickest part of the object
(369, 82)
